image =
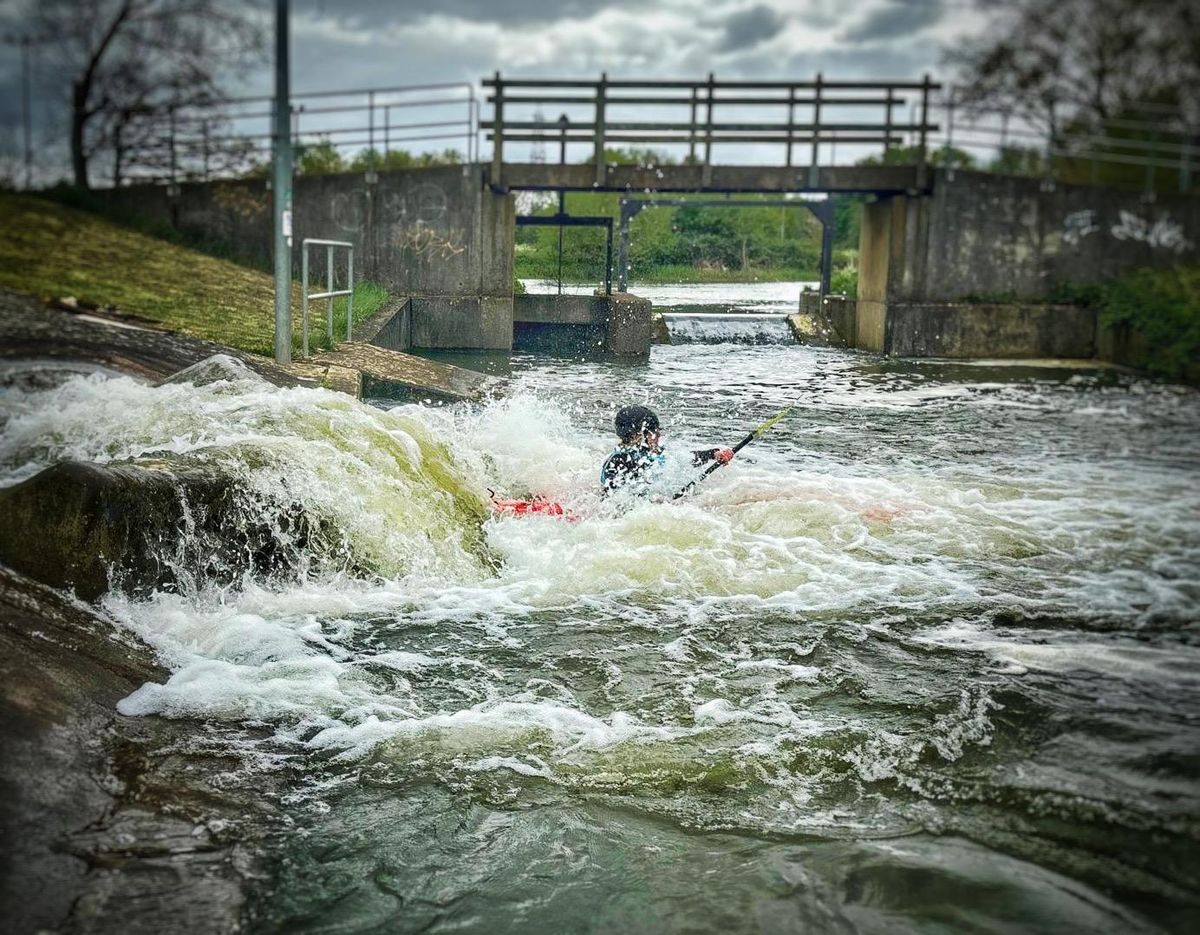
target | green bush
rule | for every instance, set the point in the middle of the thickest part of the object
(844, 282)
(1163, 306)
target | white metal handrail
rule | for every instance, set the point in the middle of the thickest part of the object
(330, 293)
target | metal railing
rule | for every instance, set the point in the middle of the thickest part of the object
(1148, 143)
(330, 293)
(829, 114)
(220, 137)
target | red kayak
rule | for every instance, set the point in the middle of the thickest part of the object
(531, 506)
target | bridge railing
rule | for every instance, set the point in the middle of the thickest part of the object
(1151, 146)
(818, 115)
(227, 137)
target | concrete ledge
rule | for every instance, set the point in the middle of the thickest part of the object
(560, 309)
(29, 331)
(395, 375)
(979, 330)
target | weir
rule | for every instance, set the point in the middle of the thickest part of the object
(952, 262)
(964, 269)
(702, 328)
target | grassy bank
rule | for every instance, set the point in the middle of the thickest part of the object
(51, 250)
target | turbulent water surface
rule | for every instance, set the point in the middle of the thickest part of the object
(925, 658)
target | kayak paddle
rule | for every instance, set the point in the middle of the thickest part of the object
(757, 433)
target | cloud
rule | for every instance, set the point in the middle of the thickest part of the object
(369, 14)
(340, 44)
(749, 28)
(895, 19)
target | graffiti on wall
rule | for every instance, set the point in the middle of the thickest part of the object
(349, 210)
(428, 243)
(1078, 225)
(414, 221)
(1163, 234)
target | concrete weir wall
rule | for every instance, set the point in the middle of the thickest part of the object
(438, 235)
(618, 323)
(968, 269)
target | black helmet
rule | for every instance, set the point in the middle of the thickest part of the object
(634, 420)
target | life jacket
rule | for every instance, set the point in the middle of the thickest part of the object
(630, 464)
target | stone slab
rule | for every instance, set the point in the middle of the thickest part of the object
(395, 374)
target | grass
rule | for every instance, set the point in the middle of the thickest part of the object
(369, 297)
(51, 250)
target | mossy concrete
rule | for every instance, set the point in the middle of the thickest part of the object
(138, 526)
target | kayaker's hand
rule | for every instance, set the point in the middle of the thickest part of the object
(723, 455)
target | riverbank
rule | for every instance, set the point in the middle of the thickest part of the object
(53, 251)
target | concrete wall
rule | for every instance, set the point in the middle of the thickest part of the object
(992, 330)
(959, 272)
(997, 235)
(436, 234)
(618, 324)
(982, 235)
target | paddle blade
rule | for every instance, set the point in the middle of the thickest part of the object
(766, 426)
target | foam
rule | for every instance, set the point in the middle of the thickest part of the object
(866, 521)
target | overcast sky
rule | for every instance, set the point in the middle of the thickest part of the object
(364, 42)
(361, 43)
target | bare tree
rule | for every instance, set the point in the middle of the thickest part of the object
(1083, 61)
(127, 58)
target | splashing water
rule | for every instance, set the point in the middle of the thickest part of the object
(728, 329)
(924, 657)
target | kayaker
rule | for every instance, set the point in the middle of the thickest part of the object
(639, 456)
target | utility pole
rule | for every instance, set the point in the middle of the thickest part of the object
(26, 43)
(27, 109)
(282, 190)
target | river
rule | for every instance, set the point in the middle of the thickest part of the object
(925, 658)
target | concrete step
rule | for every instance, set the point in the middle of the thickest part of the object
(367, 370)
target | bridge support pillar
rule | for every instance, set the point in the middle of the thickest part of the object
(893, 244)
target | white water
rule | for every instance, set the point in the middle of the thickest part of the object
(904, 584)
(738, 328)
(779, 298)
